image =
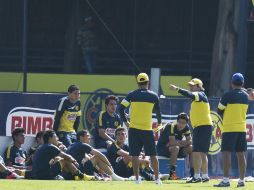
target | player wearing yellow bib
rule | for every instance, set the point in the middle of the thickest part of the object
(67, 116)
(234, 105)
(142, 101)
(202, 127)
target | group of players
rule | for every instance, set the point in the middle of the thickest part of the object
(66, 153)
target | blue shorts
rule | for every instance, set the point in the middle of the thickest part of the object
(67, 138)
(50, 173)
(87, 168)
(122, 169)
(55, 170)
(164, 151)
(234, 142)
(139, 139)
(201, 138)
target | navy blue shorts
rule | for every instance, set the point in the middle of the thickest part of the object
(234, 142)
(139, 139)
(164, 151)
(67, 138)
(55, 170)
(201, 138)
(87, 168)
(122, 169)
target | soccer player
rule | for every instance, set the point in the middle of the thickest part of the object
(14, 155)
(107, 122)
(49, 161)
(118, 154)
(202, 127)
(142, 102)
(171, 143)
(234, 105)
(67, 116)
(121, 161)
(38, 142)
(90, 158)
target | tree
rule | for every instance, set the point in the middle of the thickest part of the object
(228, 39)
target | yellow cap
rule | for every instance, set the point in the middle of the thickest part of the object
(196, 81)
(142, 77)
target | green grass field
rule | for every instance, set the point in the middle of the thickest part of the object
(83, 185)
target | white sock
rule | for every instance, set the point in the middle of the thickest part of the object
(225, 179)
(205, 176)
(116, 177)
(196, 176)
(241, 181)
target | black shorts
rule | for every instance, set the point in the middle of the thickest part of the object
(55, 170)
(164, 151)
(87, 168)
(234, 142)
(122, 169)
(201, 138)
(139, 139)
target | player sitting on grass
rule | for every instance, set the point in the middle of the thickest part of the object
(171, 143)
(90, 159)
(49, 161)
(15, 156)
(118, 155)
(38, 142)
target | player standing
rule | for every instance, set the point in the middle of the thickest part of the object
(202, 128)
(234, 105)
(142, 101)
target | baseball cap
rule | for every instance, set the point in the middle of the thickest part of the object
(238, 78)
(196, 81)
(142, 77)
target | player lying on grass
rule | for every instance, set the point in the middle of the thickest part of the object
(90, 159)
(118, 155)
(49, 161)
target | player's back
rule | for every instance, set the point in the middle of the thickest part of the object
(78, 150)
(234, 117)
(142, 102)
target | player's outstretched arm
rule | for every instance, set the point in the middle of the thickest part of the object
(181, 91)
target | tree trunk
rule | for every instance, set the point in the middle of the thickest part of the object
(225, 47)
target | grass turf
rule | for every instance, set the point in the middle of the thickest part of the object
(113, 185)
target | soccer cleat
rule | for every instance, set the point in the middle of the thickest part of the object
(14, 176)
(222, 184)
(59, 177)
(194, 180)
(85, 178)
(240, 184)
(158, 182)
(88, 177)
(173, 176)
(205, 179)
